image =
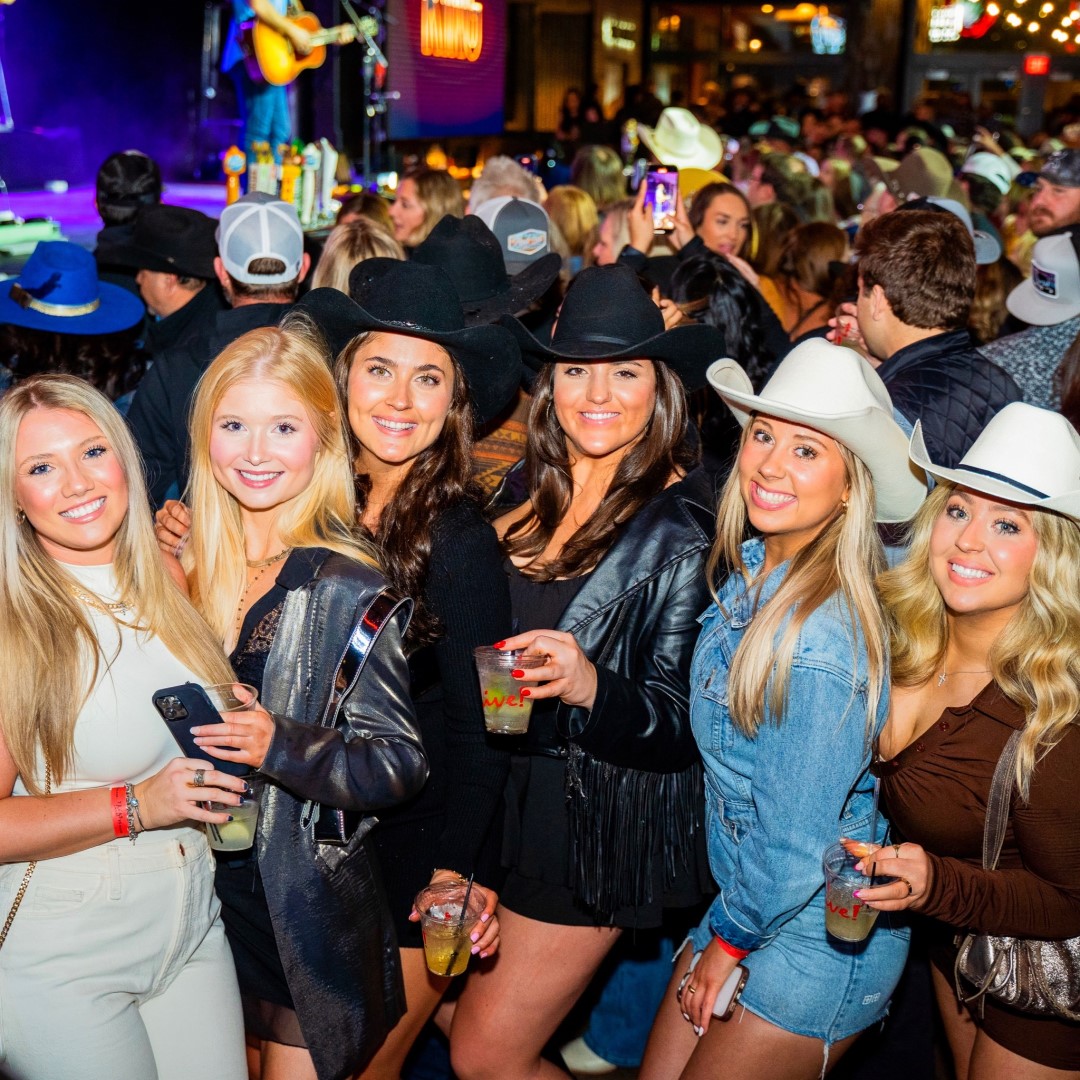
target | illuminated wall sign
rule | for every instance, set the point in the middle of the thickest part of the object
(618, 33)
(946, 23)
(1036, 64)
(452, 29)
(828, 34)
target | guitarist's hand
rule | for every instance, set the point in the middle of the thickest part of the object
(346, 34)
(301, 39)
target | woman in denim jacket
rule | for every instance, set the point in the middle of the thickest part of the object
(789, 687)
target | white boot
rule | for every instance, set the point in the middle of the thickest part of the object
(580, 1059)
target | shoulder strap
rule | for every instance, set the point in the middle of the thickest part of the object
(997, 805)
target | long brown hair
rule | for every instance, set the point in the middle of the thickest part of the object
(440, 477)
(644, 471)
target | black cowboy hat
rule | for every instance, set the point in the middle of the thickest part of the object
(171, 240)
(420, 301)
(607, 315)
(471, 255)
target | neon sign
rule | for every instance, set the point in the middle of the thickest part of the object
(618, 33)
(452, 29)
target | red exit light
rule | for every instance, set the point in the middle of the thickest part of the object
(1036, 64)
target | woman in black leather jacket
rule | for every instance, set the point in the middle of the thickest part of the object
(276, 570)
(607, 580)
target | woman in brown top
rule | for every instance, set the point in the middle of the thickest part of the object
(986, 641)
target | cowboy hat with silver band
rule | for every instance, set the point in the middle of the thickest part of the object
(833, 390)
(1024, 455)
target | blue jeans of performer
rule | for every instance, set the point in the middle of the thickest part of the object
(264, 112)
(621, 1020)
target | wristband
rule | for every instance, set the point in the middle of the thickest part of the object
(738, 954)
(131, 805)
(118, 800)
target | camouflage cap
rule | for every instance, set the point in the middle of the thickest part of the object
(1062, 168)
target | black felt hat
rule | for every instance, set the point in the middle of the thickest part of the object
(420, 301)
(607, 315)
(171, 240)
(471, 254)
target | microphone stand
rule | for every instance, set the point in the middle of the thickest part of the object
(374, 102)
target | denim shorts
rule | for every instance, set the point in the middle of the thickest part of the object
(810, 984)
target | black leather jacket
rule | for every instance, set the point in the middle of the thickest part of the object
(634, 780)
(358, 750)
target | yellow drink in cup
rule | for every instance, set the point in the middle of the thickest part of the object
(447, 937)
(238, 834)
(506, 712)
(847, 918)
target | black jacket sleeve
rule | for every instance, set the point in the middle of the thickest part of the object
(373, 757)
(151, 421)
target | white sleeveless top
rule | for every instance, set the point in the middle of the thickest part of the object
(119, 735)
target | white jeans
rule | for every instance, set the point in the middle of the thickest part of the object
(116, 966)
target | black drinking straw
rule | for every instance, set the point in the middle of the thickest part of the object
(461, 926)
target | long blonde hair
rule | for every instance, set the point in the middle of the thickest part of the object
(1035, 659)
(47, 638)
(348, 244)
(323, 515)
(843, 559)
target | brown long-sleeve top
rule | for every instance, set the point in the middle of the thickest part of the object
(935, 793)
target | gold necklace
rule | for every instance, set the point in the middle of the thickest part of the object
(263, 565)
(119, 607)
(974, 671)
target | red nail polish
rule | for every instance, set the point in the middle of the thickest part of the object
(525, 692)
(517, 673)
(498, 644)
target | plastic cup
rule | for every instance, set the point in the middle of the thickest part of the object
(846, 917)
(447, 942)
(238, 834)
(506, 712)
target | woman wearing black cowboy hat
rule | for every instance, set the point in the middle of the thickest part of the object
(416, 381)
(607, 580)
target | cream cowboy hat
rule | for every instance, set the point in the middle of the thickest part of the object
(1024, 455)
(833, 390)
(681, 139)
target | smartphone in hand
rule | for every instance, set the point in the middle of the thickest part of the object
(661, 189)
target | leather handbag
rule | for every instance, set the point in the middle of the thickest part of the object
(332, 825)
(1041, 977)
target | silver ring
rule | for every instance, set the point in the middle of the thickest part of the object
(200, 778)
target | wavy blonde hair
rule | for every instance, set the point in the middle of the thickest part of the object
(46, 635)
(843, 559)
(349, 243)
(322, 515)
(1035, 659)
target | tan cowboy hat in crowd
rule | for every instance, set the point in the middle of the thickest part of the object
(1024, 455)
(681, 139)
(832, 389)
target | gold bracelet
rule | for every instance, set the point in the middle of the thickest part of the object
(444, 870)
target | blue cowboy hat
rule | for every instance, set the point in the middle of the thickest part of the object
(58, 291)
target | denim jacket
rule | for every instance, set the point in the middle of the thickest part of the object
(776, 801)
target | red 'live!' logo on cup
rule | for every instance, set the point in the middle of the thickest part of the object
(501, 701)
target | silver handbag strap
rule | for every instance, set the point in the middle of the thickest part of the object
(997, 805)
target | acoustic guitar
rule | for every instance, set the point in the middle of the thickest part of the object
(270, 57)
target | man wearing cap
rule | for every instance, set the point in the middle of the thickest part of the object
(126, 182)
(172, 250)
(1049, 301)
(916, 286)
(1055, 205)
(260, 263)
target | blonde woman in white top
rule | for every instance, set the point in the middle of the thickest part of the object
(115, 963)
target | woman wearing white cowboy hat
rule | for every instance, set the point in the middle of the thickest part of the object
(985, 616)
(789, 688)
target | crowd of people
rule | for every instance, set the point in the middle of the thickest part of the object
(774, 501)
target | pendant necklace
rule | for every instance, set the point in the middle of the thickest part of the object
(262, 565)
(974, 671)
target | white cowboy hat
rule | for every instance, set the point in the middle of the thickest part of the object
(1024, 455)
(681, 139)
(833, 390)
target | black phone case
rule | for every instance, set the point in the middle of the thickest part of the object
(185, 707)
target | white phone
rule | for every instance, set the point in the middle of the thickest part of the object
(728, 997)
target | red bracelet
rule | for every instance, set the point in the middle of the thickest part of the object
(118, 799)
(739, 954)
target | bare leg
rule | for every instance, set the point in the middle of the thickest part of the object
(990, 1061)
(422, 993)
(959, 1027)
(281, 1062)
(672, 1039)
(508, 1012)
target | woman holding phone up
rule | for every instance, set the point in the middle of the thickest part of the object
(114, 957)
(790, 687)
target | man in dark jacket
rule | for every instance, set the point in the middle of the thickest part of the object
(260, 264)
(916, 285)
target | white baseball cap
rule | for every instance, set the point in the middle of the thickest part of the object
(258, 226)
(998, 170)
(1052, 293)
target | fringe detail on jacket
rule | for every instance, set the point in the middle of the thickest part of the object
(619, 818)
